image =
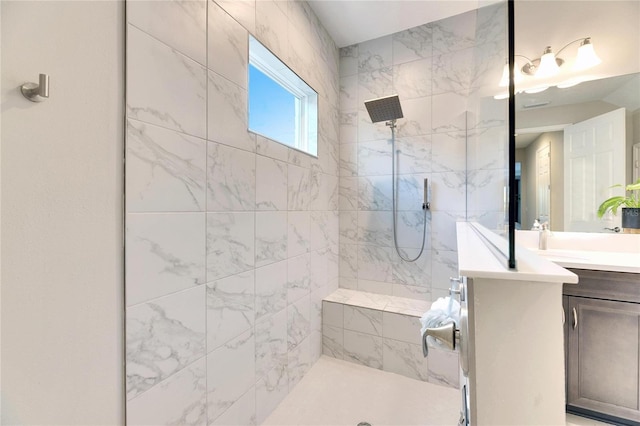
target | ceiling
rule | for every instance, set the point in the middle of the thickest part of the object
(354, 21)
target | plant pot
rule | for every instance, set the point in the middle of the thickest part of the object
(631, 220)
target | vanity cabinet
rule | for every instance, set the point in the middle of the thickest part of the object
(602, 345)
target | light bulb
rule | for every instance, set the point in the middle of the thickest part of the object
(548, 65)
(587, 57)
(517, 76)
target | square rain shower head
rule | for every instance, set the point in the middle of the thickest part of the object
(384, 109)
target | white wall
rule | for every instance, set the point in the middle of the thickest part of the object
(61, 217)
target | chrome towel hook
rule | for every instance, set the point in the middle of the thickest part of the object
(37, 92)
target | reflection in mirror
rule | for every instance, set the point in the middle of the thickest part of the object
(572, 145)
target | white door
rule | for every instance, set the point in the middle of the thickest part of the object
(636, 162)
(594, 160)
(543, 184)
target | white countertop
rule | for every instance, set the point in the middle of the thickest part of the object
(475, 259)
(600, 252)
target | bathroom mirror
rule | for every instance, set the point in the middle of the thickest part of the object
(543, 122)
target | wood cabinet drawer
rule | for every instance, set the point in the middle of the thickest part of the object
(605, 285)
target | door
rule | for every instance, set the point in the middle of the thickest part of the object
(594, 158)
(604, 349)
(543, 184)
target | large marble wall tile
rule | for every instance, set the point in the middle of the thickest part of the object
(230, 373)
(412, 44)
(349, 60)
(417, 117)
(405, 359)
(455, 33)
(488, 112)
(448, 191)
(159, 18)
(319, 266)
(363, 349)
(300, 17)
(487, 149)
(348, 194)
(363, 320)
(163, 337)
(348, 261)
(272, 27)
(489, 60)
(444, 367)
(298, 325)
(449, 152)
(243, 11)
(400, 327)
(374, 84)
(375, 54)
(375, 287)
(241, 413)
(298, 277)
(298, 232)
(450, 112)
(165, 170)
(164, 87)
(444, 266)
(368, 131)
(319, 229)
(299, 181)
(230, 243)
(227, 47)
(349, 159)
(271, 390)
(414, 154)
(230, 308)
(272, 149)
(299, 60)
(271, 289)
(227, 111)
(417, 273)
(410, 191)
(486, 189)
(412, 292)
(271, 237)
(375, 227)
(453, 72)
(374, 158)
(348, 227)
(374, 193)
(349, 93)
(271, 184)
(179, 400)
(271, 343)
(299, 362)
(491, 24)
(412, 79)
(443, 236)
(374, 263)
(231, 178)
(164, 254)
(315, 313)
(333, 341)
(348, 127)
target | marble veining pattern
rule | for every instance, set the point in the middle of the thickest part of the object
(230, 308)
(271, 237)
(165, 169)
(163, 337)
(363, 349)
(298, 277)
(231, 178)
(298, 325)
(271, 184)
(230, 243)
(164, 254)
(414, 43)
(169, 88)
(271, 343)
(228, 40)
(374, 54)
(271, 289)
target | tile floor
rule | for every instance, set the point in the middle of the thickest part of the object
(336, 393)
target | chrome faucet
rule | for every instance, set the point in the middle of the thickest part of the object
(543, 236)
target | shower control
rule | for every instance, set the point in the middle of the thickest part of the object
(426, 204)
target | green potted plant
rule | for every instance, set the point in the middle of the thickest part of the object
(630, 207)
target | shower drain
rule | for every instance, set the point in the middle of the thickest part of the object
(364, 424)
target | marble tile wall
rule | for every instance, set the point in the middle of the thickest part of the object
(453, 133)
(231, 239)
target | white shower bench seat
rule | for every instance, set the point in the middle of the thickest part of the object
(383, 332)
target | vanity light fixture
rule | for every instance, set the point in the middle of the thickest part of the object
(549, 63)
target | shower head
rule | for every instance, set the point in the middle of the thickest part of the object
(384, 109)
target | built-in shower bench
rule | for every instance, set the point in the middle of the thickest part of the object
(383, 332)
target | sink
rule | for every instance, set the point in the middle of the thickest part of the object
(554, 254)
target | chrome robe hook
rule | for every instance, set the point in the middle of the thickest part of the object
(37, 92)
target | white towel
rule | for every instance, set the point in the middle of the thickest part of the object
(443, 311)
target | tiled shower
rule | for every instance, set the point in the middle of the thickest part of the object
(233, 240)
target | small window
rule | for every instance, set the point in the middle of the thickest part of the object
(282, 107)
